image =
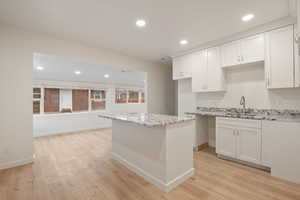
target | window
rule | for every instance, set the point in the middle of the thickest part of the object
(121, 96)
(133, 96)
(51, 100)
(80, 100)
(65, 100)
(36, 100)
(142, 97)
(98, 99)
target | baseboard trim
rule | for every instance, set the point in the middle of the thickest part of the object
(179, 179)
(16, 163)
(166, 187)
(71, 132)
(249, 164)
(201, 147)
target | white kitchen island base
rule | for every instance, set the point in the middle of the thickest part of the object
(163, 155)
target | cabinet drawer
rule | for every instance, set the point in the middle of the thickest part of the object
(235, 122)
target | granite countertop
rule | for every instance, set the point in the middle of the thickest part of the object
(147, 119)
(255, 114)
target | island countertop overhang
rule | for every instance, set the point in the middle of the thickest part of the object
(147, 119)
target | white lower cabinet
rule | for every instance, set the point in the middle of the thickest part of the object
(226, 141)
(239, 139)
(281, 147)
(249, 145)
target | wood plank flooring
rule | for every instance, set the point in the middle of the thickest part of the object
(79, 167)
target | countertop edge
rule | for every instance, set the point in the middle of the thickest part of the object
(146, 124)
(262, 118)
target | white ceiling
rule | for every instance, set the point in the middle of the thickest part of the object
(60, 69)
(111, 23)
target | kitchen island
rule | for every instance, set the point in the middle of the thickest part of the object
(157, 147)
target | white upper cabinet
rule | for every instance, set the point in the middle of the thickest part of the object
(247, 50)
(182, 67)
(231, 54)
(253, 49)
(215, 74)
(279, 63)
(199, 78)
(208, 75)
(277, 48)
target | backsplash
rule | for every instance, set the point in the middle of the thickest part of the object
(249, 81)
(245, 81)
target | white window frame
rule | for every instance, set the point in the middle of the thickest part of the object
(127, 95)
(97, 100)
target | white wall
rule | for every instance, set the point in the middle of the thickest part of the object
(249, 82)
(49, 124)
(16, 61)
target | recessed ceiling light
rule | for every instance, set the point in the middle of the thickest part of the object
(40, 68)
(106, 75)
(183, 42)
(77, 72)
(140, 23)
(247, 17)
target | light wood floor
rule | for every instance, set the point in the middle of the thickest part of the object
(79, 166)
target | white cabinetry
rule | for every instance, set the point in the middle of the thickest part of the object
(249, 144)
(279, 65)
(226, 141)
(208, 75)
(182, 66)
(239, 139)
(199, 77)
(281, 147)
(253, 49)
(231, 54)
(247, 50)
(277, 48)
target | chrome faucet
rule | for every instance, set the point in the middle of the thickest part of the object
(243, 102)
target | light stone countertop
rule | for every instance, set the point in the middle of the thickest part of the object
(147, 119)
(255, 114)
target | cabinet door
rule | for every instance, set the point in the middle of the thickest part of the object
(215, 75)
(249, 145)
(253, 49)
(280, 58)
(231, 54)
(199, 77)
(226, 141)
(182, 67)
(177, 67)
(189, 62)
